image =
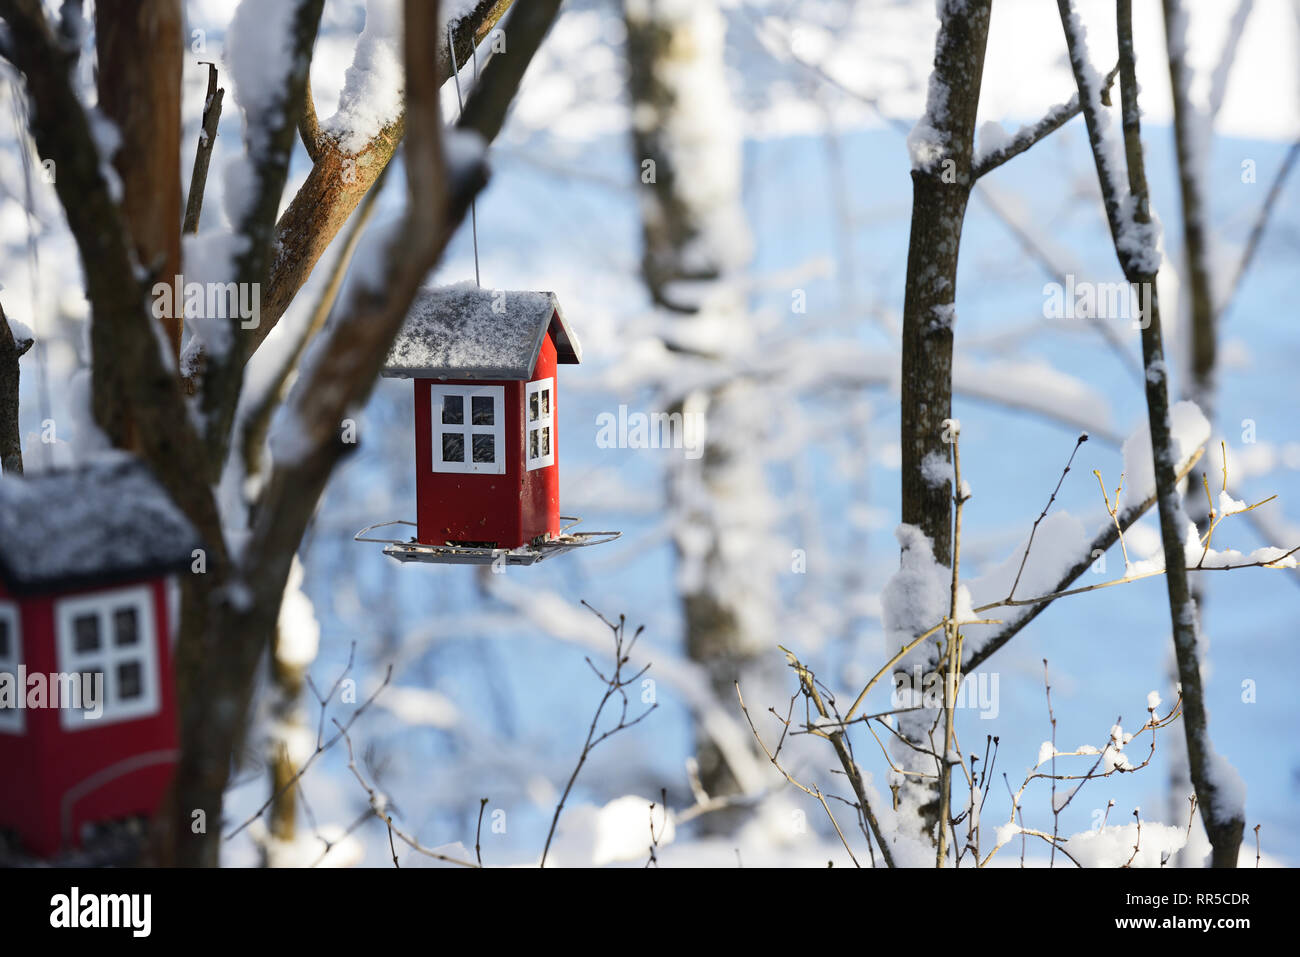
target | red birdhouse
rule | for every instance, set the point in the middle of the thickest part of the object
(87, 617)
(484, 364)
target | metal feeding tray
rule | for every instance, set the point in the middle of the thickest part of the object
(413, 551)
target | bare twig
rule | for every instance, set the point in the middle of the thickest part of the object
(952, 671)
(1257, 231)
(378, 803)
(812, 790)
(478, 833)
(1113, 512)
(654, 838)
(840, 743)
(203, 152)
(1118, 764)
(616, 685)
(1107, 536)
(1051, 717)
(1042, 515)
(1137, 840)
(321, 745)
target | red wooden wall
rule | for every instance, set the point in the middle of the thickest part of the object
(509, 509)
(124, 767)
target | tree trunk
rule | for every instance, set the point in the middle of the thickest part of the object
(140, 44)
(1191, 137)
(290, 739)
(942, 147)
(11, 437)
(695, 242)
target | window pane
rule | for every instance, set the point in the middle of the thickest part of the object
(453, 410)
(482, 409)
(126, 626)
(85, 631)
(546, 402)
(485, 448)
(129, 684)
(453, 447)
(532, 407)
(546, 442)
(532, 443)
(4, 640)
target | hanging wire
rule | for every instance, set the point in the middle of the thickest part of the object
(473, 206)
(18, 101)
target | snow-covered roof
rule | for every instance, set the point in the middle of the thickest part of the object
(94, 523)
(464, 332)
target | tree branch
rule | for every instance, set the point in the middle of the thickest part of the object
(1261, 224)
(1106, 537)
(203, 152)
(268, 140)
(1028, 135)
(335, 186)
(309, 127)
(1191, 128)
(258, 419)
(1128, 213)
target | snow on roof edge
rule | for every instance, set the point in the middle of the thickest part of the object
(464, 332)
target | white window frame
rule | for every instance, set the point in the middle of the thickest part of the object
(12, 720)
(467, 429)
(106, 659)
(544, 420)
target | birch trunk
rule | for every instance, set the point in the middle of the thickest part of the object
(687, 142)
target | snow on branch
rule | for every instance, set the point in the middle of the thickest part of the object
(1134, 235)
(1107, 760)
(343, 363)
(1218, 787)
(338, 180)
(995, 148)
(269, 49)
